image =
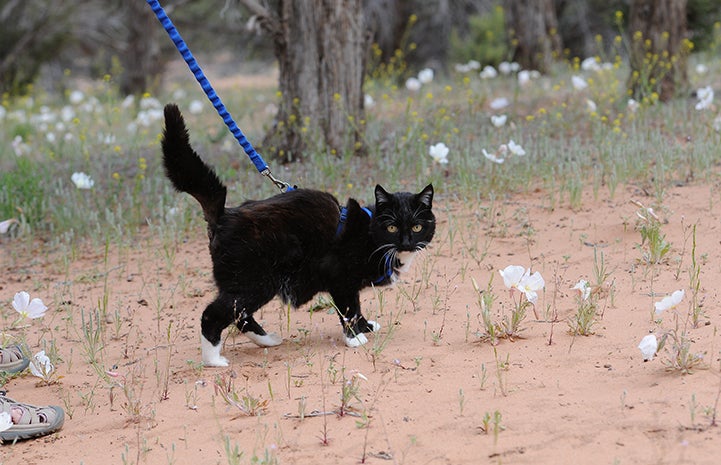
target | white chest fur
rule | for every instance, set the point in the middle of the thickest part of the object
(405, 259)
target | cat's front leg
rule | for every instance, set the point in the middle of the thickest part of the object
(353, 322)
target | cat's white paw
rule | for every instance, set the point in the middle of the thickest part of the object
(356, 341)
(211, 354)
(375, 325)
(267, 340)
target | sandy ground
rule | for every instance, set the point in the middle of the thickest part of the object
(436, 391)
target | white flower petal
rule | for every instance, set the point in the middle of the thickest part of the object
(493, 157)
(648, 347)
(439, 153)
(5, 225)
(425, 75)
(583, 287)
(516, 149)
(632, 105)
(21, 301)
(500, 102)
(368, 101)
(512, 275)
(524, 77)
(413, 84)
(578, 82)
(41, 366)
(669, 302)
(36, 309)
(498, 120)
(531, 282)
(82, 180)
(195, 107)
(489, 72)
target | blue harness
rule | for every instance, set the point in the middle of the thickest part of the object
(388, 268)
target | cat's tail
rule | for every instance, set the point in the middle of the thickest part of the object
(187, 171)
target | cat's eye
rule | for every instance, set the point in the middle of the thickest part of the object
(392, 228)
(416, 228)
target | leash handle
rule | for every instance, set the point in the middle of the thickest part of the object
(254, 156)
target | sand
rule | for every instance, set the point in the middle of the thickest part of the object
(430, 388)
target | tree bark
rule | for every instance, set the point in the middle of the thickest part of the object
(321, 47)
(659, 52)
(139, 52)
(533, 29)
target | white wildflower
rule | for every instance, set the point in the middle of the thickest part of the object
(82, 180)
(498, 120)
(439, 153)
(578, 82)
(425, 75)
(499, 103)
(648, 347)
(29, 308)
(413, 84)
(516, 149)
(488, 72)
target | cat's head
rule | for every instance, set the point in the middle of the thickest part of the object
(403, 221)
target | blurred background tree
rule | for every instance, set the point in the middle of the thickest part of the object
(34, 33)
(659, 48)
(532, 28)
(324, 49)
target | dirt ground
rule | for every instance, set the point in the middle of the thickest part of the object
(433, 391)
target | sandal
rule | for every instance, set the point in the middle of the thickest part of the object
(13, 359)
(33, 421)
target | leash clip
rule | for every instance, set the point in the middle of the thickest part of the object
(282, 185)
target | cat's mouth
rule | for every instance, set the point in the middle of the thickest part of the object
(404, 260)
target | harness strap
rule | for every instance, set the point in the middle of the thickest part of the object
(388, 268)
(344, 218)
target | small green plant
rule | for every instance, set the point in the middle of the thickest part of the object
(694, 272)
(131, 385)
(491, 423)
(247, 404)
(485, 41)
(680, 357)
(600, 272)
(522, 284)
(679, 354)
(654, 246)
(92, 336)
(461, 401)
(232, 451)
(586, 316)
(350, 391)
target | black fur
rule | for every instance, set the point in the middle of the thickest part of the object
(290, 244)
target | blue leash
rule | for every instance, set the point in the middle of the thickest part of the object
(254, 156)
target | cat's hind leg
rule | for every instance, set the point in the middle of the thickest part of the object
(215, 319)
(255, 332)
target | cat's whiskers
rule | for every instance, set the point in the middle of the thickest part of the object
(391, 247)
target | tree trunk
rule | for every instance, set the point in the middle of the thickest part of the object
(533, 29)
(321, 48)
(659, 51)
(139, 51)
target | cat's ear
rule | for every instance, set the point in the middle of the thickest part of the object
(382, 196)
(426, 196)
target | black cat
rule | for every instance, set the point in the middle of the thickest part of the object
(294, 245)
